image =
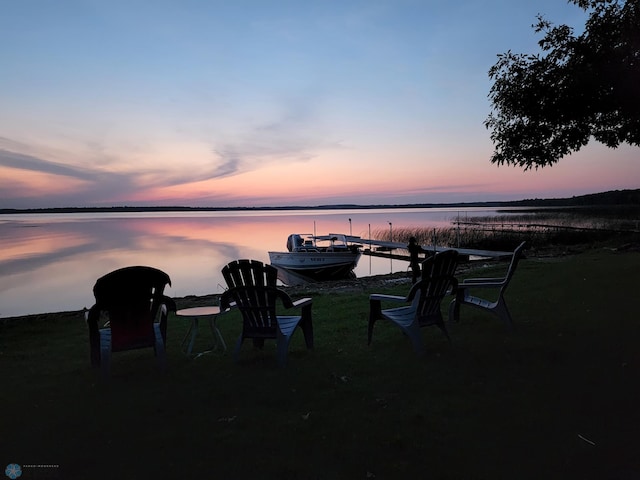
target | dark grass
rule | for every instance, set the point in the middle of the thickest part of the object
(495, 404)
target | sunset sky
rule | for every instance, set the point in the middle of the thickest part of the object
(268, 103)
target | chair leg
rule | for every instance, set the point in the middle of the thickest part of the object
(503, 312)
(307, 327)
(282, 347)
(414, 334)
(94, 343)
(105, 351)
(161, 353)
(443, 329)
(454, 307)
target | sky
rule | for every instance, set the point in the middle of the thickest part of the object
(269, 103)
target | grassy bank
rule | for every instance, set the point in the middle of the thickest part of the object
(556, 398)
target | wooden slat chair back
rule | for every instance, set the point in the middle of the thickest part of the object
(497, 307)
(425, 299)
(133, 301)
(252, 290)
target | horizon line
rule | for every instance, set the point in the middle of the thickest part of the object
(565, 201)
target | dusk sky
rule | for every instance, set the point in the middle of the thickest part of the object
(269, 103)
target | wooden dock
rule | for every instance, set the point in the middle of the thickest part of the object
(385, 249)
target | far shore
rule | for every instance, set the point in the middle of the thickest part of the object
(609, 198)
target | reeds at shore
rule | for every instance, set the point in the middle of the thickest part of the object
(539, 227)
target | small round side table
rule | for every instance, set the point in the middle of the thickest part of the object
(195, 313)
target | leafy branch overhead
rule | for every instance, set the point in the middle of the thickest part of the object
(550, 104)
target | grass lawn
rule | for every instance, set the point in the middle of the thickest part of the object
(557, 398)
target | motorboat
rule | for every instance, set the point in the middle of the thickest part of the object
(318, 257)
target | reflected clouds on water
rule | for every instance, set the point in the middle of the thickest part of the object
(50, 262)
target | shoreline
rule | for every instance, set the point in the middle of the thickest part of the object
(353, 285)
(363, 285)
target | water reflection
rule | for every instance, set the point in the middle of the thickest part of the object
(51, 262)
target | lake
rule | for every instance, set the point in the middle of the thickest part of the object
(50, 262)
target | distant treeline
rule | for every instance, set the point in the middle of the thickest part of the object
(614, 197)
(610, 198)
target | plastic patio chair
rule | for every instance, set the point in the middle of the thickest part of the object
(253, 291)
(133, 303)
(424, 298)
(497, 307)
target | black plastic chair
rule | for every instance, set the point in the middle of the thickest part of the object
(132, 302)
(425, 299)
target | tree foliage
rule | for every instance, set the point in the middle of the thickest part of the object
(550, 104)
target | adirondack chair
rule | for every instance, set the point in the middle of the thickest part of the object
(497, 307)
(253, 291)
(133, 303)
(424, 298)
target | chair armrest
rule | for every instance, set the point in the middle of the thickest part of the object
(228, 308)
(168, 303)
(382, 297)
(453, 287)
(92, 315)
(303, 302)
(226, 301)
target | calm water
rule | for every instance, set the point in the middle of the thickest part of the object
(50, 262)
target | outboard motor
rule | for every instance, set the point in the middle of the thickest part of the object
(294, 241)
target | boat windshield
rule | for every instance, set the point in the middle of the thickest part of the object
(322, 243)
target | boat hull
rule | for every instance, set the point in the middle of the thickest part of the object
(317, 265)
